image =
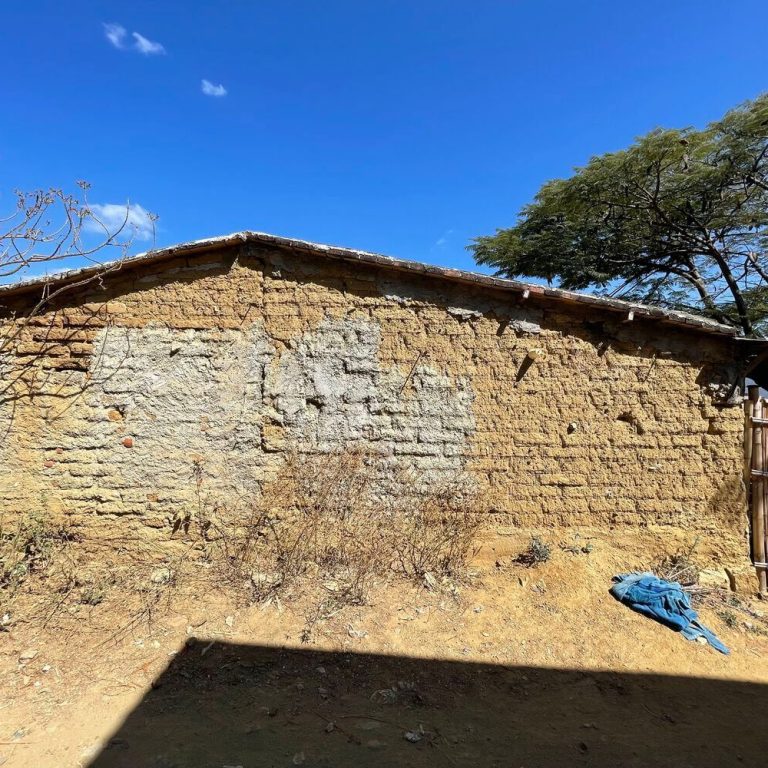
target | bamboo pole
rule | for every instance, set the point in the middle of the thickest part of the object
(753, 393)
(763, 572)
(758, 492)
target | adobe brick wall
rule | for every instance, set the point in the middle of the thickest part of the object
(217, 363)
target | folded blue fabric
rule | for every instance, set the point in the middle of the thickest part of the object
(664, 601)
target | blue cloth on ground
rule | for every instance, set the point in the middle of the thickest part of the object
(664, 601)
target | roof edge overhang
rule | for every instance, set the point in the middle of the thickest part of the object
(630, 309)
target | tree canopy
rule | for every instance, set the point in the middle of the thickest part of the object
(678, 220)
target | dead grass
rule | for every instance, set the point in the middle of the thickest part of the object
(678, 567)
(324, 532)
(26, 547)
(326, 520)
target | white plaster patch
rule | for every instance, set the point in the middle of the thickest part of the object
(173, 418)
(332, 390)
(162, 402)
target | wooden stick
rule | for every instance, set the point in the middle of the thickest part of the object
(749, 406)
(763, 529)
(758, 489)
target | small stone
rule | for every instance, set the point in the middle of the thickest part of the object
(412, 736)
(375, 744)
(329, 728)
(197, 620)
(117, 744)
(229, 621)
(359, 634)
(714, 577)
(299, 758)
(26, 656)
(161, 575)
(128, 442)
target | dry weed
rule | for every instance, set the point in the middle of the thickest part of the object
(324, 521)
(324, 529)
(28, 547)
(437, 536)
(678, 567)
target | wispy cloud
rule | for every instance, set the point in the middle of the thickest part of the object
(147, 47)
(209, 89)
(131, 220)
(443, 239)
(117, 35)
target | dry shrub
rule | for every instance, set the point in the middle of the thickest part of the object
(313, 519)
(437, 536)
(678, 567)
(28, 547)
(326, 520)
(52, 575)
(326, 527)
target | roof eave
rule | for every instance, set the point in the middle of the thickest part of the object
(680, 319)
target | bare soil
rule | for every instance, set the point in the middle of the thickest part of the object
(523, 666)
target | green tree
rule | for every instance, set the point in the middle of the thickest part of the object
(679, 220)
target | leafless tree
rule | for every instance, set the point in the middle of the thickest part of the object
(52, 227)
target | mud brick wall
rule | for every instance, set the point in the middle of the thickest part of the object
(194, 375)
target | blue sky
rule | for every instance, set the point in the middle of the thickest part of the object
(404, 127)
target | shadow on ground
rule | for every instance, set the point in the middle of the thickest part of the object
(252, 706)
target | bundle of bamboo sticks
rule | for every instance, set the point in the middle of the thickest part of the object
(756, 466)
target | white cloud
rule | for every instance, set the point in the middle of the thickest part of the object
(443, 239)
(131, 220)
(209, 89)
(147, 47)
(115, 33)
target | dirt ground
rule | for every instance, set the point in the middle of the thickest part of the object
(529, 667)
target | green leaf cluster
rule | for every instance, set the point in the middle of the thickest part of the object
(679, 219)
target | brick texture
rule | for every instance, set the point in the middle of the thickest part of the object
(183, 383)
